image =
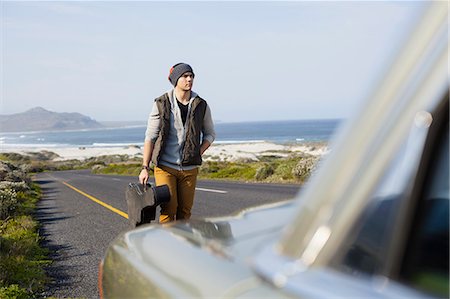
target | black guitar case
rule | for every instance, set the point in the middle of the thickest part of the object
(143, 200)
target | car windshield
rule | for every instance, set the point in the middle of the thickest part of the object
(370, 140)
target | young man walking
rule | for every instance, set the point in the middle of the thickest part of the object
(179, 130)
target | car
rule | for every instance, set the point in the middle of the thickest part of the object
(371, 222)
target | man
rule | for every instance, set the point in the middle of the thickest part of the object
(179, 130)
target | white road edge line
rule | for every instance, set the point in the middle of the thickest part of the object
(211, 190)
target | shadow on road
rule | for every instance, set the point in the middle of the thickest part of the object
(49, 218)
(43, 182)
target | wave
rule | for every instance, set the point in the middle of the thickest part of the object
(34, 145)
(238, 141)
(16, 145)
(124, 144)
(278, 140)
(75, 130)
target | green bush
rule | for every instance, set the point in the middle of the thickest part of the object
(269, 158)
(227, 170)
(304, 167)
(284, 171)
(12, 173)
(13, 292)
(210, 167)
(21, 258)
(16, 186)
(263, 172)
(16, 198)
(14, 157)
(8, 203)
(234, 172)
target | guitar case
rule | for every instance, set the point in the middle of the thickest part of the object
(142, 202)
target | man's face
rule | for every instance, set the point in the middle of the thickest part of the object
(185, 81)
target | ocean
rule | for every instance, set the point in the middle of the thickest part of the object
(295, 131)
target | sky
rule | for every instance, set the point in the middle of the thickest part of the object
(253, 61)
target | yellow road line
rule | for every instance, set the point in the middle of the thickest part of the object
(117, 211)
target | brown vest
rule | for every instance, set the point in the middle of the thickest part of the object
(191, 151)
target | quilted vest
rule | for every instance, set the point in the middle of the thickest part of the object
(191, 150)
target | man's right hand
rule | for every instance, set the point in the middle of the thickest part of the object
(143, 177)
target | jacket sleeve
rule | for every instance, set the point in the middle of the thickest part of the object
(208, 126)
(153, 124)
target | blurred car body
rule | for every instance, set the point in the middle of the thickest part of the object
(372, 222)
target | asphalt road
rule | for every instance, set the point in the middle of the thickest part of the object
(77, 229)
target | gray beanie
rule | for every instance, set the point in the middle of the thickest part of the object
(177, 71)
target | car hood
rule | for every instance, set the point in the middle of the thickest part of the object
(233, 237)
(215, 255)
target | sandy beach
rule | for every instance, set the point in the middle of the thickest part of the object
(217, 152)
(251, 151)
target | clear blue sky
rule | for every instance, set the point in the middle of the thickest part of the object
(253, 60)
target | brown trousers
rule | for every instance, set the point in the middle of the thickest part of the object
(181, 185)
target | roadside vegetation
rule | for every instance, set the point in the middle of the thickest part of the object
(269, 169)
(22, 259)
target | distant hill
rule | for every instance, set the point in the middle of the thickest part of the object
(40, 119)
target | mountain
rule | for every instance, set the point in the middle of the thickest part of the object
(40, 119)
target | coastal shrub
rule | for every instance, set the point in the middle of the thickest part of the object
(12, 173)
(42, 155)
(270, 168)
(13, 291)
(108, 159)
(22, 260)
(304, 167)
(68, 165)
(233, 171)
(263, 172)
(210, 167)
(33, 163)
(92, 164)
(269, 158)
(97, 168)
(16, 186)
(36, 167)
(21, 257)
(5, 171)
(15, 198)
(14, 157)
(244, 160)
(284, 171)
(8, 203)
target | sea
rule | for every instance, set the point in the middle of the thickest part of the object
(281, 132)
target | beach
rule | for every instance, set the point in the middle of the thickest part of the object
(217, 151)
(254, 150)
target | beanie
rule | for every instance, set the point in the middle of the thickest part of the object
(177, 71)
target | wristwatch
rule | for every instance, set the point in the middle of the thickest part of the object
(145, 167)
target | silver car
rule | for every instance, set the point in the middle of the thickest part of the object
(372, 222)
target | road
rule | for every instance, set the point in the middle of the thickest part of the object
(77, 227)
